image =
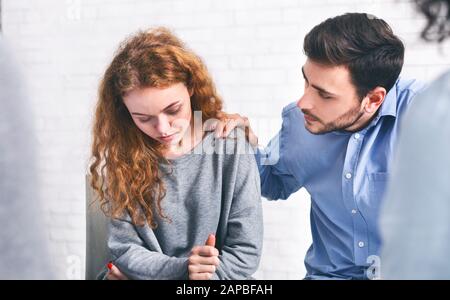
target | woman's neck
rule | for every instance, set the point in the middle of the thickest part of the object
(192, 137)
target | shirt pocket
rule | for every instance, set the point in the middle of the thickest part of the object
(377, 190)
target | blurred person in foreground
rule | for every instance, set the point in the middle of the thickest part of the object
(23, 248)
(415, 221)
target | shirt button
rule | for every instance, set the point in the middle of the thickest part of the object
(353, 211)
(348, 175)
(361, 244)
(357, 136)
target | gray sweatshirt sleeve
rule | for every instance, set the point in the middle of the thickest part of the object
(138, 262)
(241, 252)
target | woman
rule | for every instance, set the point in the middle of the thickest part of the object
(165, 183)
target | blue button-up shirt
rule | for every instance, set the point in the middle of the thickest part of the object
(346, 174)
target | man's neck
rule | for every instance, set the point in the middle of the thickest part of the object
(363, 122)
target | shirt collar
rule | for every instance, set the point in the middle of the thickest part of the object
(389, 106)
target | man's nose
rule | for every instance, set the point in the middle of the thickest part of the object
(304, 103)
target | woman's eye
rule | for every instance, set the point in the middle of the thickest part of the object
(144, 120)
(174, 111)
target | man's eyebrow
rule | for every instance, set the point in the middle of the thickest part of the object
(320, 89)
(166, 108)
(304, 76)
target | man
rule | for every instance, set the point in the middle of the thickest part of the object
(337, 140)
(415, 219)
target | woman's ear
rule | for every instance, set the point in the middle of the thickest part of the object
(191, 92)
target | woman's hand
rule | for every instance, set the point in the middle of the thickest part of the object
(202, 263)
(114, 273)
(204, 260)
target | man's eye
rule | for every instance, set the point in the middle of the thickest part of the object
(324, 96)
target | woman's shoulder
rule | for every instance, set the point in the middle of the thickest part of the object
(234, 144)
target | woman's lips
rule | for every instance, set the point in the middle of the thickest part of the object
(167, 138)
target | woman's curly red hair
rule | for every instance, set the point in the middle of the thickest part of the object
(125, 161)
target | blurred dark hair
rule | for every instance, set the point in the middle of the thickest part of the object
(437, 13)
(364, 44)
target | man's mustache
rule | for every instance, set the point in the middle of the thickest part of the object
(305, 112)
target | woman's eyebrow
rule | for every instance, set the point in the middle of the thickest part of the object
(166, 108)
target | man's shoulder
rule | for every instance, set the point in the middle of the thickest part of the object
(406, 92)
(410, 86)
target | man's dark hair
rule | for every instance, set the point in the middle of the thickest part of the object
(364, 44)
(437, 13)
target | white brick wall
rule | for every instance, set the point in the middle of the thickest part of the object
(252, 47)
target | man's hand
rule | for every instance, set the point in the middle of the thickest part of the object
(114, 273)
(203, 260)
(227, 122)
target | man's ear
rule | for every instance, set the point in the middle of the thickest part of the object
(374, 99)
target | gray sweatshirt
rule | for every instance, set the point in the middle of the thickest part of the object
(213, 189)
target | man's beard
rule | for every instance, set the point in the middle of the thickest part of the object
(343, 122)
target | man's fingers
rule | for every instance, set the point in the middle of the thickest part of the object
(210, 125)
(219, 128)
(229, 126)
(221, 114)
(226, 123)
(234, 121)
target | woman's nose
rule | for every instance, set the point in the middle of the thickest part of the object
(163, 125)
